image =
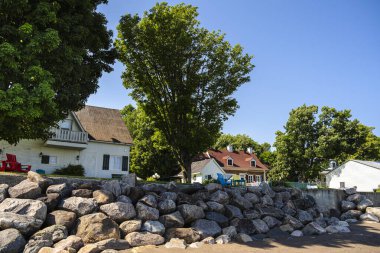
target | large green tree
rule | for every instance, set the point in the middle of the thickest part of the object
(312, 138)
(182, 75)
(51, 56)
(150, 152)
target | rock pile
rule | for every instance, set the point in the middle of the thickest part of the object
(358, 207)
(38, 216)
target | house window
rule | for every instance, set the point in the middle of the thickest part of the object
(45, 159)
(230, 162)
(115, 162)
(253, 163)
(342, 185)
(65, 124)
(106, 162)
(332, 164)
(208, 177)
(242, 176)
(250, 179)
(258, 178)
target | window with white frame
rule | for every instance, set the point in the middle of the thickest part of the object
(115, 162)
(253, 163)
(242, 176)
(250, 179)
(230, 161)
(66, 124)
(258, 178)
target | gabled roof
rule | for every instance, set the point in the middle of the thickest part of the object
(372, 164)
(199, 165)
(242, 159)
(104, 124)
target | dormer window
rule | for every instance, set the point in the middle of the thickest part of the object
(253, 163)
(230, 161)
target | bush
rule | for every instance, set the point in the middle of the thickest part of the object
(208, 181)
(71, 170)
(151, 179)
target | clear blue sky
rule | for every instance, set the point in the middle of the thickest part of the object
(306, 52)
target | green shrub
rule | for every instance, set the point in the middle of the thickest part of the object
(151, 179)
(71, 170)
(208, 181)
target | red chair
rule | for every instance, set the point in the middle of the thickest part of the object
(11, 164)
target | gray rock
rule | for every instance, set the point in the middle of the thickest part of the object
(296, 224)
(215, 206)
(25, 190)
(71, 241)
(297, 233)
(356, 198)
(321, 221)
(166, 206)
(124, 199)
(129, 179)
(243, 238)
(188, 234)
(154, 227)
(374, 210)
(51, 201)
(266, 190)
(28, 207)
(153, 187)
(212, 187)
(362, 206)
(149, 200)
(289, 208)
(267, 200)
(130, 226)
(351, 214)
(286, 228)
(169, 195)
(218, 218)
(347, 205)
(3, 192)
(251, 214)
(206, 228)
(119, 211)
(78, 205)
(136, 239)
(271, 211)
(145, 212)
(23, 223)
(234, 222)
(313, 228)
(271, 221)
(173, 220)
(223, 239)
(242, 203)
(369, 217)
(84, 193)
(136, 193)
(175, 243)
(233, 212)
(254, 189)
(245, 226)
(304, 217)
(11, 241)
(351, 221)
(61, 217)
(112, 244)
(208, 240)
(112, 186)
(96, 227)
(202, 204)
(350, 191)
(333, 220)
(220, 197)
(332, 229)
(251, 197)
(230, 231)
(125, 189)
(64, 190)
(191, 213)
(45, 238)
(103, 197)
(42, 182)
(260, 226)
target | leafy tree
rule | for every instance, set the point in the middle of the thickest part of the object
(310, 141)
(150, 152)
(51, 56)
(181, 75)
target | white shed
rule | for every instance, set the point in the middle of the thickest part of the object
(205, 170)
(364, 175)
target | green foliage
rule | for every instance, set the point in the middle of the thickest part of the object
(51, 56)
(310, 140)
(70, 170)
(209, 181)
(150, 152)
(151, 179)
(182, 76)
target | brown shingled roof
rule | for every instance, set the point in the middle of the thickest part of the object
(104, 124)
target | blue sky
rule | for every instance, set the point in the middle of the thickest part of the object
(305, 52)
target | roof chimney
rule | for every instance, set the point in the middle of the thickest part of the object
(250, 150)
(230, 148)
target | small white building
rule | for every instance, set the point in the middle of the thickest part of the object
(206, 169)
(364, 175)
(94, 137)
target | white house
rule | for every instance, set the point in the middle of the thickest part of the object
(205, 170)
(94, 137)
(365, 175)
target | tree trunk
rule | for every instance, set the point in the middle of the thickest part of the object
(186, 168)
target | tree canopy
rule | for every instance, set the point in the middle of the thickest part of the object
(51, 56)
(182, 76)
(150, 152)
(312, 138)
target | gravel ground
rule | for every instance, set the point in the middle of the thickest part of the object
(364, 238)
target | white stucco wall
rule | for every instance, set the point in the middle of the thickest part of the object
(364, 177)
(210, 169)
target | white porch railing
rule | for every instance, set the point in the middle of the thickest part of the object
(69, 136)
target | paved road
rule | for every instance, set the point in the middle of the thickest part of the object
(364, 238)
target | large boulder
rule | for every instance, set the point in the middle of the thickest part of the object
(356, 198)
(230, 231)
(11, 241)
(243, 238)
(260, 226)
(175, 243)
(304, 203)
(136, 193)
(271, 211)
(78, 205)
(347, 205)
(267, 201)
(289, 208)
(188, 234)
(25, 190)
(45, 238)
(64, 190)
(72, 241)
(25, 224)
(369, 217)
(251, 197)
(362, 205)
(103, 197)
(296, 224)
(84, 193)
(124, 199)
(154, 227)
(206, 228)
(215, 206)
(332, 229)
(267, 190)
(61, 217)
(172, 220)
(245, 226)
(112, 186)
(233, 212)
(149, 200)
(169, 195)
(3, 192)
(374, 210)
(113, 245)
(350, 191)
(166, 206)
(313, 228)
(251, 214)
(218, 218)
(304, 217)
(28, 207)
(51, 201)
(145, 212)
(271, 221)
(42, 182)
(351, 214)
(242, 203)
(212, 187)
(96, 227)
(136, 239)
(191, 213)
(119, 211)
(130, 226)
(220, 197)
